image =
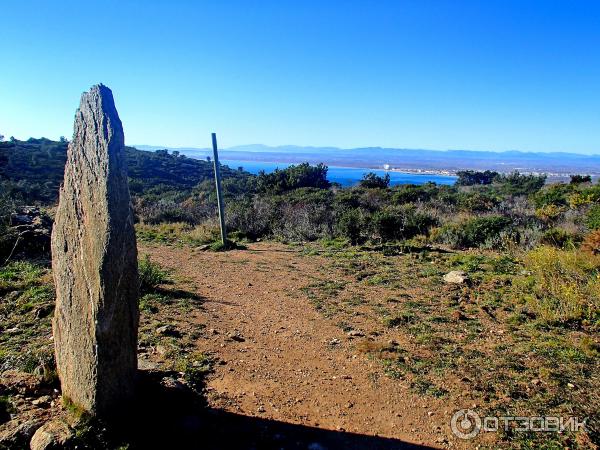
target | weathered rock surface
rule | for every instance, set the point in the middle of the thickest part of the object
(94, 260)
(53, 435)
(18, 434)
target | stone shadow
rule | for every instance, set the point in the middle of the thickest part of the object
(169, 414)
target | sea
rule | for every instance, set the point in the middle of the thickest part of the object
(346, 176)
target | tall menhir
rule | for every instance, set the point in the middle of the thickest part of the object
(94, 260)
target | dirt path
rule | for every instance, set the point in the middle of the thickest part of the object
(281, 359)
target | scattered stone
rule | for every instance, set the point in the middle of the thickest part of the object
(94, 259)
(20, 382)
(261, 409)
(168, 330)
(18, 434)
(42, 401)
(161, 350)
(456, 277)
(53, 435)
(172, 383)
(355, 333)
(144, 364)
(236, 337)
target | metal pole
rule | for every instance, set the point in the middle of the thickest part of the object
(219, 194)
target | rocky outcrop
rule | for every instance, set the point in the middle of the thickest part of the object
(94, 260)
(53, 435)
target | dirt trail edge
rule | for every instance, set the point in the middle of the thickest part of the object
(281, 359)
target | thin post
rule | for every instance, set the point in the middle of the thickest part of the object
(218, 184)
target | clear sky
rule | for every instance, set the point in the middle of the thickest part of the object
(485, 74)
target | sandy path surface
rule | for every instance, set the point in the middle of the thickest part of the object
(281, 359)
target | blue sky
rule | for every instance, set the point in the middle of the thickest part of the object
(486, 75)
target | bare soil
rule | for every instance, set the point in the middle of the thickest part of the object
(281, 359)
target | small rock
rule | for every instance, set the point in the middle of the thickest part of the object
(334, 341)
(570, 385)
(52, 435)
(42, 401)
(458, 316)
(456, 277)
(236, 337)
(172, 383)
(261, 409)
(161, 350)
(20, 382)
(168, 330)
(355, 333)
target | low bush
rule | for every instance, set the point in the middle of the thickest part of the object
(400, 223)
(564, 285)
(151, 275)
(593, 218)
(559, 238)
(373, 181)
(475, 232)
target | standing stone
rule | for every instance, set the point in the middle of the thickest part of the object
(94, 259)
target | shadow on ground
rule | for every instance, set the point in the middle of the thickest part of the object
(172, 415)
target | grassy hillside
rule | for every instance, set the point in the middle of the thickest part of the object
(32, 170)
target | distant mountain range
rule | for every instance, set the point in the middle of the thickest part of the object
(556, 165)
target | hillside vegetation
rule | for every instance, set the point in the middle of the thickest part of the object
(519, 334)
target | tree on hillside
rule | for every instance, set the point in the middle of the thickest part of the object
(373, 181)
(579, 179)
(472, 177)
(294, 177)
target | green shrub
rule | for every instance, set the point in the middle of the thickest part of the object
(564, 285)
(151, 275)
(400, 223)
(559, 238)
(349, 225)
(593, 218)
(474, 232)
(555, 194)
(373, 181)
(517, 184)
(477, 201)
(472, 177)
(293, 177)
